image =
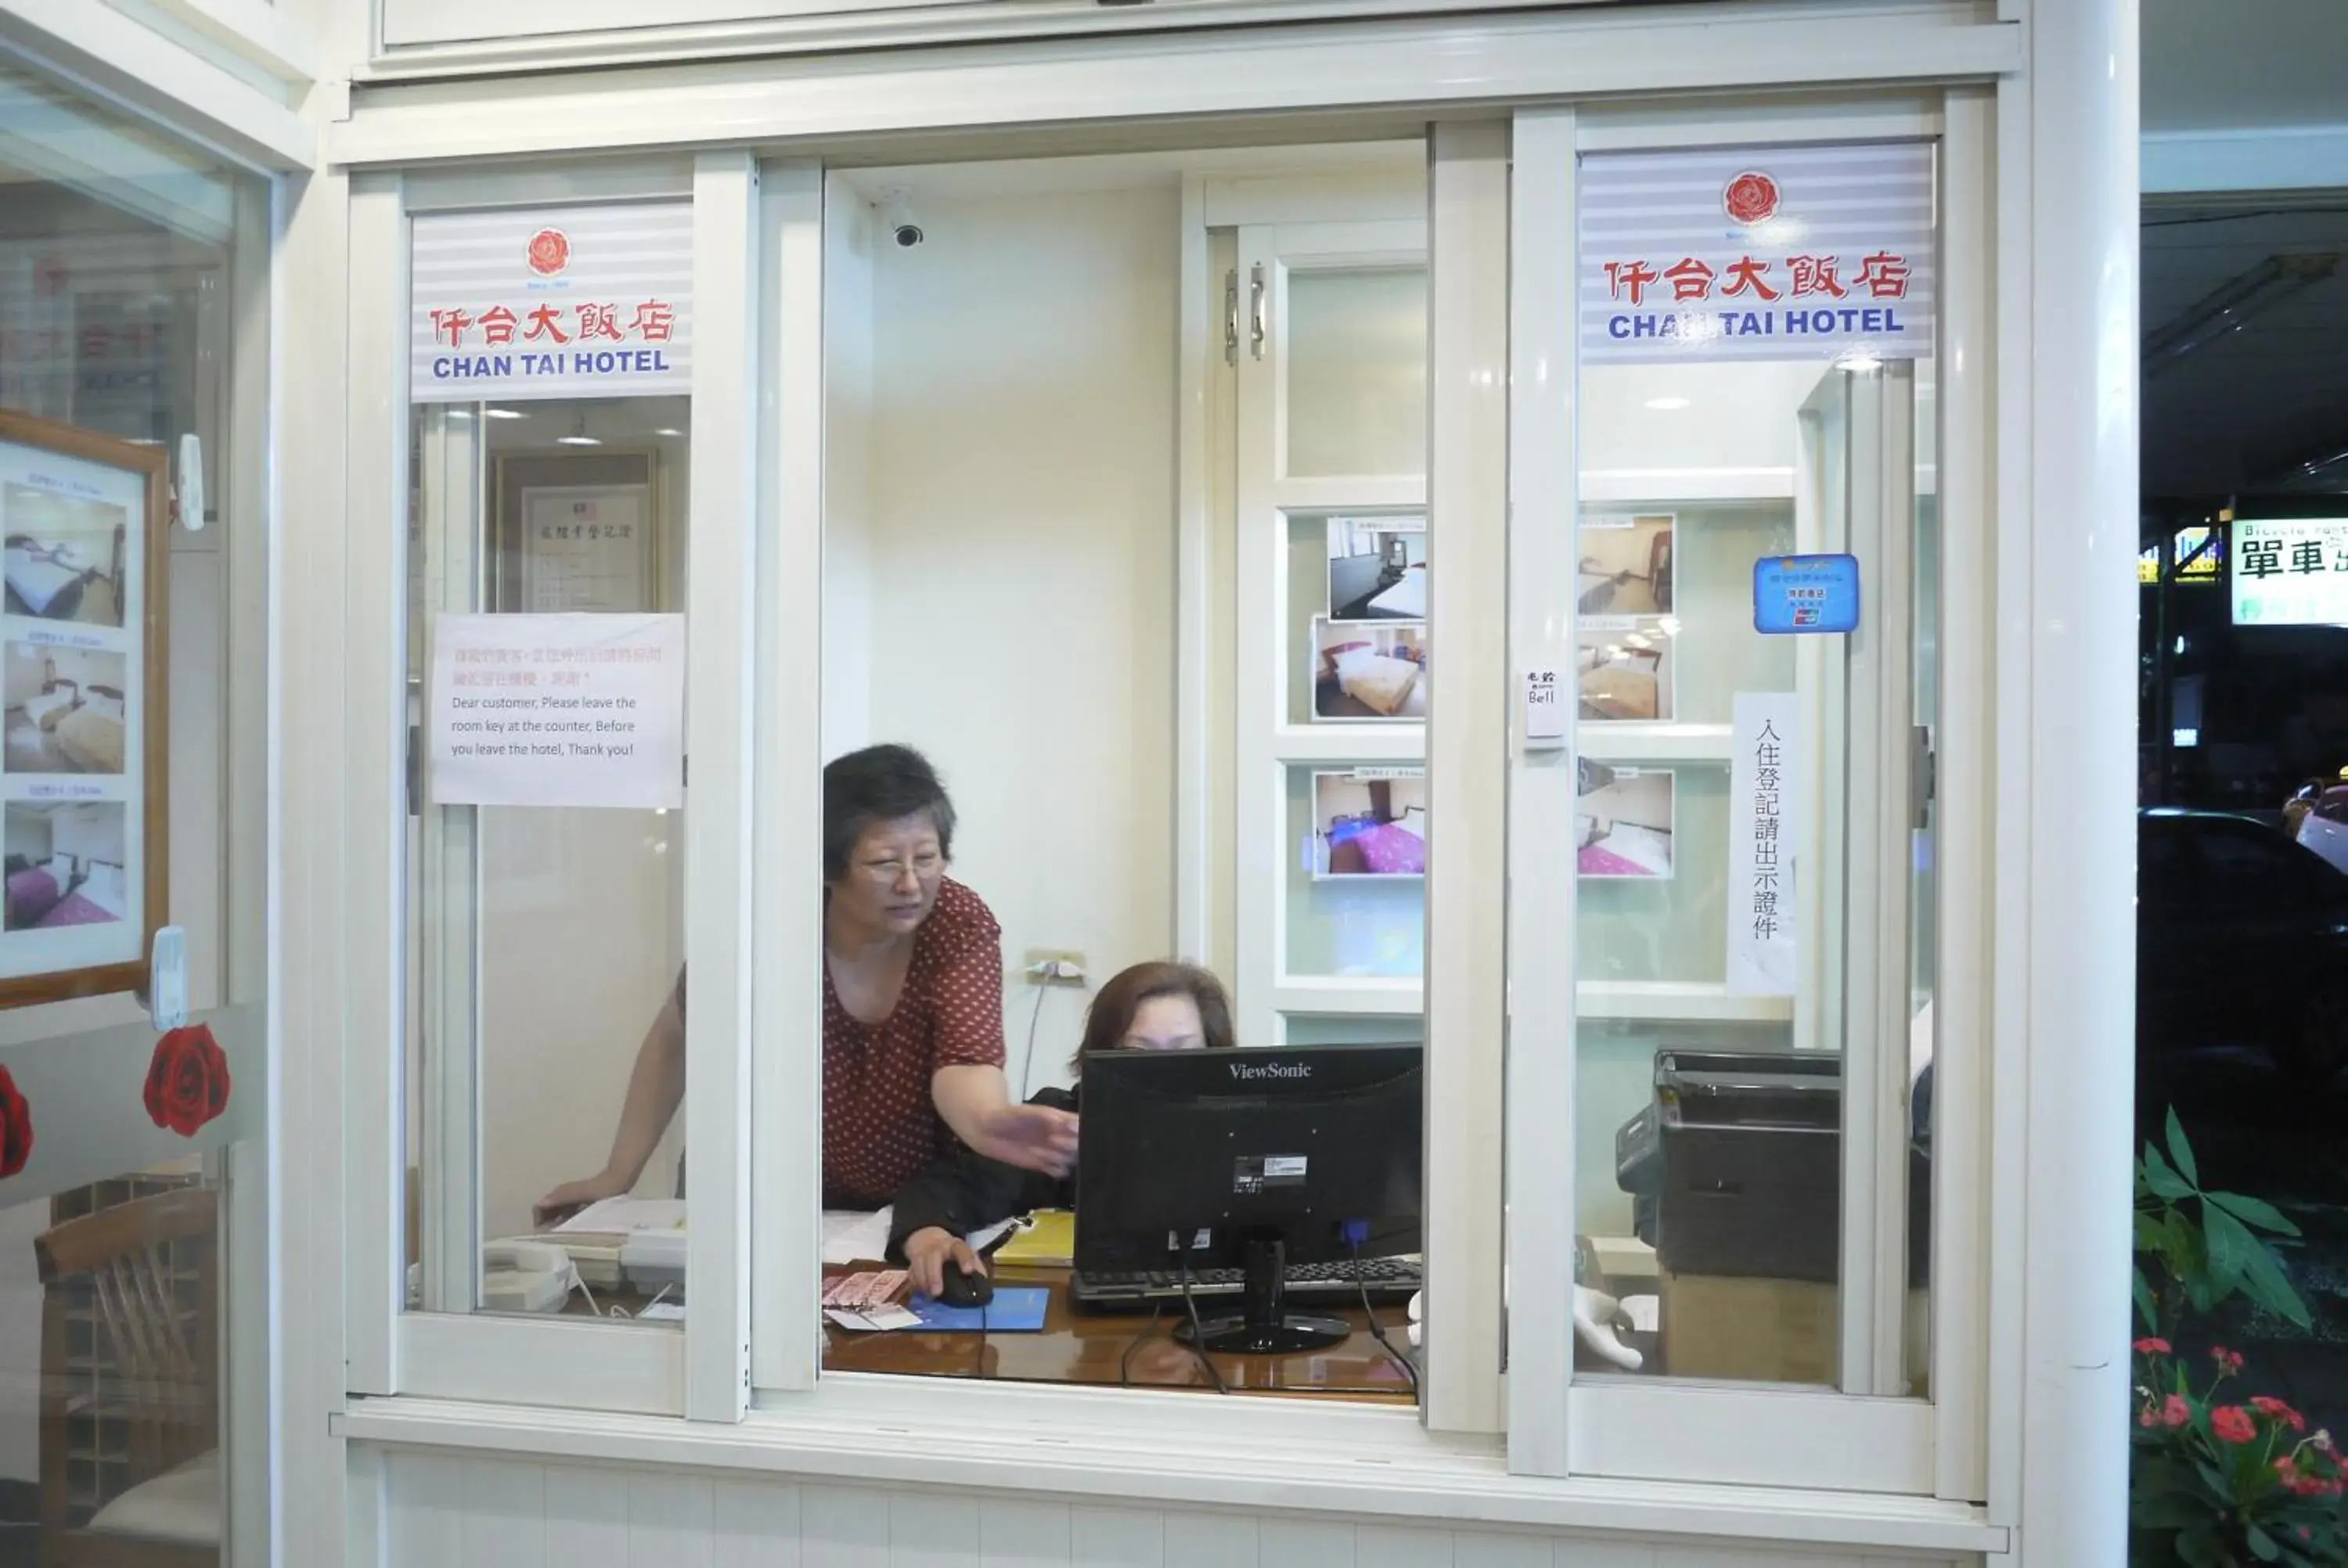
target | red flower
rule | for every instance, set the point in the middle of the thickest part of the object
(2175, 1411)
(2232, 1424)
(2153, 1346)
(16, 1127)
(187, 1082)
(2229, 1362)
(1751, 198)
(2275, 1409)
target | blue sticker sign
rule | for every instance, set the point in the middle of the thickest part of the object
(1801, 596)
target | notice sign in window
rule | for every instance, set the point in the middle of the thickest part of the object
(2290, 571)
(558, 709)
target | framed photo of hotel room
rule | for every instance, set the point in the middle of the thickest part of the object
(83, 716)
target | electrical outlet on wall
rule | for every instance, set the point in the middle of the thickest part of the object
(1052, 966)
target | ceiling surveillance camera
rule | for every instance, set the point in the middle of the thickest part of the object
(898, 214)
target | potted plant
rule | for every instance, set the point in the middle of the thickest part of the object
(2217, 1480)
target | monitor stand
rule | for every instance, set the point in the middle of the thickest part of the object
(1263, 1328)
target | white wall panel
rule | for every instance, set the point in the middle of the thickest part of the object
(473, 1512)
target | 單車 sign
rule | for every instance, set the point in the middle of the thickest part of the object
(1756, 253)
(2289, 571)
(571, 301)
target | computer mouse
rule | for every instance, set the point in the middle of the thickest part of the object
(962, 1289)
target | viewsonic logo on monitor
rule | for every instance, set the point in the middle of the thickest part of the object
(1245, 1071)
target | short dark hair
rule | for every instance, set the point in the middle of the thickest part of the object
(1120, 998)
(879, 784)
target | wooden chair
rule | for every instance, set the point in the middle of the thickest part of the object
(156, 1385)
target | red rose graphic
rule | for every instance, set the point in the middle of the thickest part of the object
(1751, 198)
(16, 1127)
(549, 251)
(187, 1083)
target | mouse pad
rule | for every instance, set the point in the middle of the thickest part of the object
(1015, 1310)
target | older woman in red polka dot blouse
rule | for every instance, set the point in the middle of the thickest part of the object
(913, 1008)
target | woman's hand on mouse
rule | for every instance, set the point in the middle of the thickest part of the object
(1032, 1137)
(927, 1253)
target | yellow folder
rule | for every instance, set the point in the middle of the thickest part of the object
(1045, 1239)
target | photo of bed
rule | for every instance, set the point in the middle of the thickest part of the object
(1624, 668)
(1363, 670)
(65, 865)
(1377, 569)
(63, 560)
(1623, 821)
(1626, 564)
(64, 712)
(1370, 823)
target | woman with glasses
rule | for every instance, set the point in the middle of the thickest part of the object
(913, 1008)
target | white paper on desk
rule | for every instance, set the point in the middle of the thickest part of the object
(850, 1235)
(627, 1217)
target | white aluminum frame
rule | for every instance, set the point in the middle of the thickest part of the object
(1559, 1425)
(702, 1371)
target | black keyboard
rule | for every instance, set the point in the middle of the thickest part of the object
(1388, 1280)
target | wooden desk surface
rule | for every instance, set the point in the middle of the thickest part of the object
(1083, 1347)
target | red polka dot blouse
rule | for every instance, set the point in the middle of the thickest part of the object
(879, 1125)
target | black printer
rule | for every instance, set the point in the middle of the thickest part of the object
(1735, 1166)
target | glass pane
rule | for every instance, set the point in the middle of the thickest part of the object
(1762, 868)
(1357, 619)
(111, 1380)
(545, 942)
(1357, 365)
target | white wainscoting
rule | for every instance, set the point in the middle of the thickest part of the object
(447, 1512)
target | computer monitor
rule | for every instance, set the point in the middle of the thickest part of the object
(1251, 1159)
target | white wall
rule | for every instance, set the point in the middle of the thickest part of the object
(479, 1513)
(1022, 563)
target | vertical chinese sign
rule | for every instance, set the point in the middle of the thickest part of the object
(547, 303)
(1768, 803)
(1757, 253)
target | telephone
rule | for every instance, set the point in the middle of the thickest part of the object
(525, 1276)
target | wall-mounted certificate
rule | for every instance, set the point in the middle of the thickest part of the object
(83, 724)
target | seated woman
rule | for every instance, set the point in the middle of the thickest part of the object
(1150, 1007)
(913, 1008)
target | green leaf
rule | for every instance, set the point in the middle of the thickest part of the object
(2201, 1548)
(2144, 1303)
(2252, 1211)
(2266, 1283)
(2262, 1545)
(2180, 1150)
(2231, 1247)
(2164, 1182)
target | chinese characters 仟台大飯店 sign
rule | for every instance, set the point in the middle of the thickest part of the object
(571, 301)
(1756, 253)
(1767, 801)
(2290, 571)
(558, 709)
(1796, 596)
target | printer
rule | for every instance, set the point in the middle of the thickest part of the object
(1735, 1166)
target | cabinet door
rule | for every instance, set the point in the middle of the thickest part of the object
(1329, 334)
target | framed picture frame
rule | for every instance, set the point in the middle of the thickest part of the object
(1369, 823)
(1368, 671)
(84, 713)
(1625, 822)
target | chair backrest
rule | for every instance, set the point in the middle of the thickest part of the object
(147, 1270)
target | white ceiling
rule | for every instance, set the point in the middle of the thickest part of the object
(2210, 64)
(2226, 418)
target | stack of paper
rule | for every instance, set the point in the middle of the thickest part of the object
(1045, 1239)
(641, 1239)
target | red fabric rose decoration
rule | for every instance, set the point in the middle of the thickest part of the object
(187, 1082)
(16, 1126)
(2232, 1424)
(1751, 198)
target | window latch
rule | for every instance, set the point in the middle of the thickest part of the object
(1923, 780)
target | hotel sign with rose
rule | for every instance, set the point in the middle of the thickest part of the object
(1772, 254)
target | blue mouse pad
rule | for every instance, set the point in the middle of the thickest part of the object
(1015, 1310)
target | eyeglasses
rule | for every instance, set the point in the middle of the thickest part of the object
(889, 873)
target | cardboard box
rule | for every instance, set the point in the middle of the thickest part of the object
(1751, 1330)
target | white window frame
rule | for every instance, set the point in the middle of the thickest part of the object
(1560, 1425)
(1557, 58)
(702, 1371)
